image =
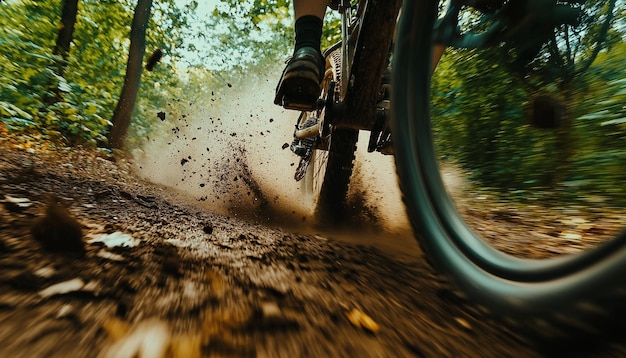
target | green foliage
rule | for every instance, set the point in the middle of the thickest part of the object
(481, 112)
(601, 123)
(91, 83)
(77, 106)
(478, 119)
(331, 32)
(246, 33)
(19, 78)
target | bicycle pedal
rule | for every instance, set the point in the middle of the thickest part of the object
(299, 105)
(299, 149)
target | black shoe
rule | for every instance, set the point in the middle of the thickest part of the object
(299, 85)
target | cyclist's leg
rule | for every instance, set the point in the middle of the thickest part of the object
(309, 7)
(299, 84)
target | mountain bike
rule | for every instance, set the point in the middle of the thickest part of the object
(553, 296)
(355, 96)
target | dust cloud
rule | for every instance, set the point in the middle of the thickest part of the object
(227, 153)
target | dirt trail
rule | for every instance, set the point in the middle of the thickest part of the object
(208, 252)
(159, 268)
(230, 287)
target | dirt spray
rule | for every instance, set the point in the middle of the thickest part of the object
(227, 153)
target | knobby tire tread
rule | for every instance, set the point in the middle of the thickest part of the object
(331, 202)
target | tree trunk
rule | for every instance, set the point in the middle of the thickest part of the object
(66, 33)
(62, 46)
(126, 104)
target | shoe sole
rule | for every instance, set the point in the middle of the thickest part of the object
(298, 89)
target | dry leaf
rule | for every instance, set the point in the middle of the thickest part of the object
(361, 320)
(270, 309)
(116, 239)
(110, 256)
(19, 202)
(150, 339)
(570, 236)
(62, 288)
(463, 323)
(115, 328)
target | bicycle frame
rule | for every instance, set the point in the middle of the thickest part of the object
(365, 26)
(376, 27)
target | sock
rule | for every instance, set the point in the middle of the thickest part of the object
(308, 32)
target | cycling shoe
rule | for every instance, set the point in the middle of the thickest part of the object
(299, 85)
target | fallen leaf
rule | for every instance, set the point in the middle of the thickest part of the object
(45, 272)
(574, 221)
(21, 202)
(16, 204)
(116, 239)
(65, 311)
(61, 288)
(110, 256)
(219, 324)
(150, 338)
(270, 309)
(463, 323)
(115, 328)
(361, 320)
(570, 236)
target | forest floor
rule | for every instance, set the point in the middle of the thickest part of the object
(95, 261)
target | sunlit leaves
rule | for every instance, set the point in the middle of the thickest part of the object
(607, 78)
(92, 80)
(243, 33)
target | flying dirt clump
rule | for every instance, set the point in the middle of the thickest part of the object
(57, 230)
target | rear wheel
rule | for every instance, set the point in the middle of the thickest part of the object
(333, 169)
(579, 291)
(329, 172)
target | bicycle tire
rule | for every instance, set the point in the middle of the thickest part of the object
(331, 167)
(552, 297)
(331, 199)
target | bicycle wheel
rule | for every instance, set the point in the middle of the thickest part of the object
(324, 192)
(328, 174)
(552, 296)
